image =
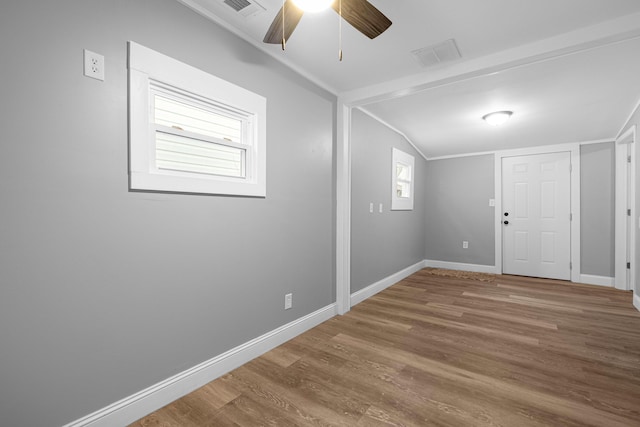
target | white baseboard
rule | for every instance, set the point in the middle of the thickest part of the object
(598, 280)
(371, 290)
(636, 301)
(146, 401)
(476, 268)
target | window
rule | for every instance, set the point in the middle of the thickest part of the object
(191, 131)
(402, 184)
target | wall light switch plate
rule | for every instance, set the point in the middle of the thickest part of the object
(93, 65)
(492, 202)
(288, 301)
(380, 209)
(371, 207)
(465, 244)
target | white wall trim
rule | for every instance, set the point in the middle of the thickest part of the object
(463, 155)
(476, 268)
(597, 141)
(518, 151)
(628, 119)
(542, 149)
(636, 301)
(574, 149)
(589, 279)
(152, 398)
(497, 194)
(381, 285)
(396, 130)
(576, 257)
(343, 207)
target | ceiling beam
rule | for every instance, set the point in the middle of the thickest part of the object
(605, 33)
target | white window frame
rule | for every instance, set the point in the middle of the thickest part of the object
(149, 69)
(402, 203)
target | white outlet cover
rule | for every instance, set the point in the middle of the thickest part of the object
(288, 301)
(465, 244)
(93, 65)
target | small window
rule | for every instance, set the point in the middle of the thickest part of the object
(196, 138)
(191, 131)
(402, 180)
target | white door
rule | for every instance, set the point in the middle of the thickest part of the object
(536, 224)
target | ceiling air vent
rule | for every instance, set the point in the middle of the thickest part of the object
(430, 56)
(245, 8)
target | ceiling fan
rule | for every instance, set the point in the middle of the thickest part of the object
(361, 14)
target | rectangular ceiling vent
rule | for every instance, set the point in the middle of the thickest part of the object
(245, 8)
(430, 56)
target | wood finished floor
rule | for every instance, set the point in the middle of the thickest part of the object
(442, 351)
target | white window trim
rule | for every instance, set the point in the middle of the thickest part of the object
(145, 66)
(400, 203)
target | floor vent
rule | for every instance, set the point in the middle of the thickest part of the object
(430, 56)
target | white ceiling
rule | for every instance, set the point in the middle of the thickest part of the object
(569, 69)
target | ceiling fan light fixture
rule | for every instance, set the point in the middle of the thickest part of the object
(497, 118)
(313, 5)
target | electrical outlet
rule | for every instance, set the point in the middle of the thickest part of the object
(465, 244)
(371, 207)
(288, 301)
(93, 65)
(380, 208)
(492, 202)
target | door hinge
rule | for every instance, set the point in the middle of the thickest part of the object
(570, 217)
(629, 265)
(628, 159)
(628, 212)
(570, 167)
(570, 266)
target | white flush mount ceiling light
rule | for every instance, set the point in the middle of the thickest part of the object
(313, 5)
(497, 118)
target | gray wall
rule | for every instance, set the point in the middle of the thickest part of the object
(104, 292)
(457, 209)
(381, 243)
(458, 192)
(597, 209)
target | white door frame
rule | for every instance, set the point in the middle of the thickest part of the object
(625, 189)
(574, 149)
(343, 208)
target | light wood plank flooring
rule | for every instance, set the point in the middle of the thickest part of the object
(442, 351)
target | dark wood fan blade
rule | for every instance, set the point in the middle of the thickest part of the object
(363, 16)
(292, 16)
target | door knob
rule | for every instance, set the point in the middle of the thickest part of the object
(506, 223)
(506, 214)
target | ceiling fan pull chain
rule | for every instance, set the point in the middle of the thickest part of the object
(340, 31)
(284, 42)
